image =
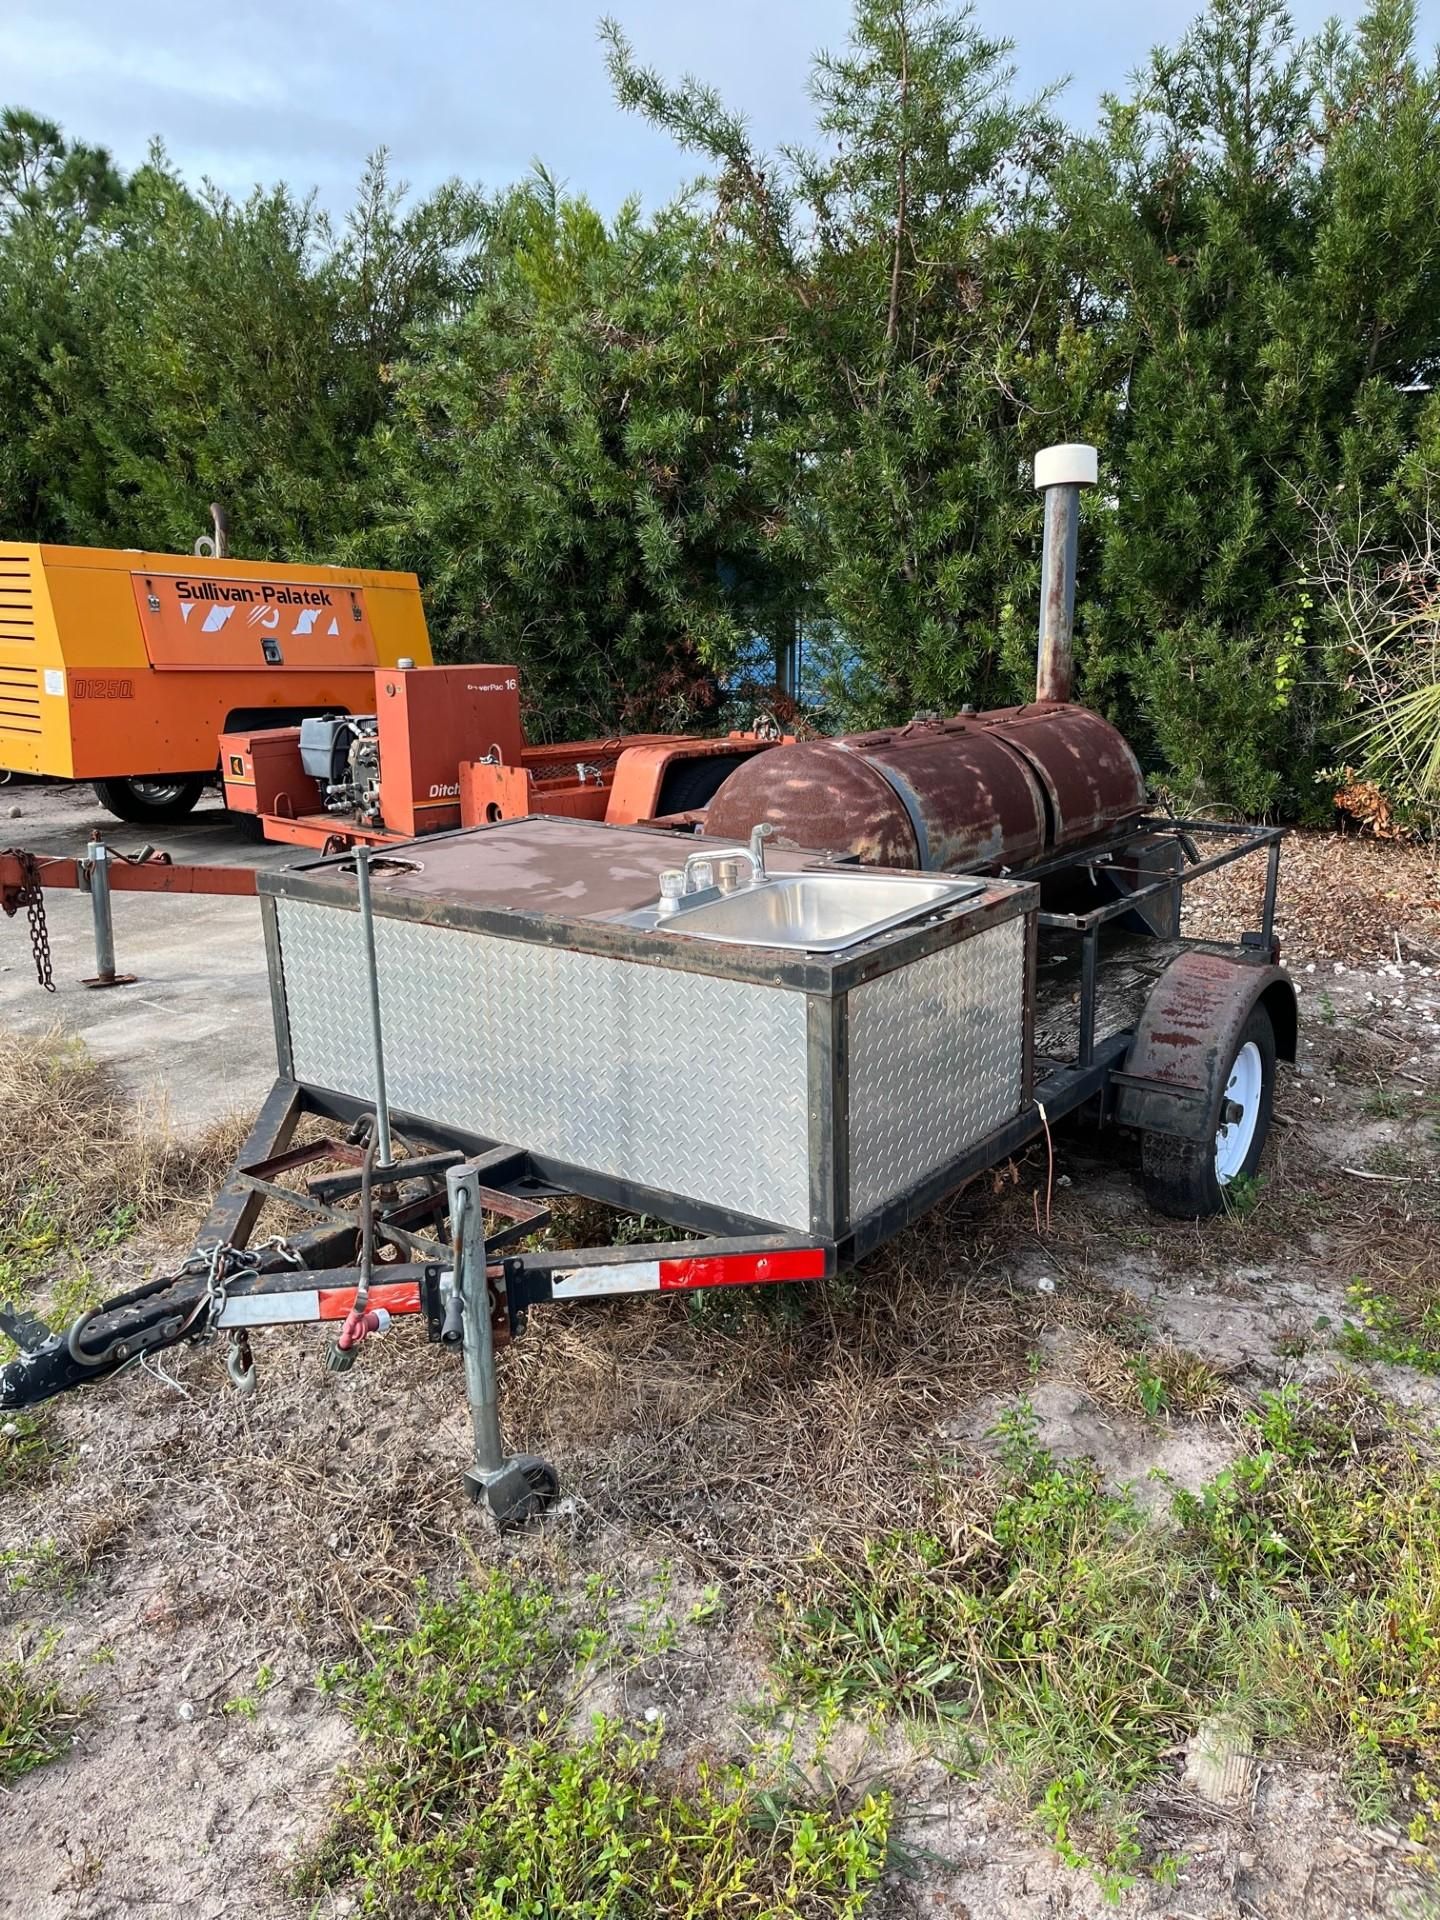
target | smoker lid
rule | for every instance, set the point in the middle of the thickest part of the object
(571, 869)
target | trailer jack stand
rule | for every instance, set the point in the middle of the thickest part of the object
(515, 1487)
(99, 877)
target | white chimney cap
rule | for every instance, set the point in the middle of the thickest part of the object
(1073, 465)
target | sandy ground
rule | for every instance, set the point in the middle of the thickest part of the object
(211, 1538)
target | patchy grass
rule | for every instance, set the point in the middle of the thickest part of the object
(27, 1448)
(1051, 1629)
(477, 1793)
(1153, 1377)
(35, 1721)
(827, 1398)
(1390, 1332)
(81, 1168)
(54, 1566)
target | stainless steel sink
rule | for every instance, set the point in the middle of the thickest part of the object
(817, 912)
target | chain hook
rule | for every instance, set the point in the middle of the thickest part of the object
(240, 1365)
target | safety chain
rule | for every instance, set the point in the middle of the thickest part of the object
(221, 1264)
(30, 895)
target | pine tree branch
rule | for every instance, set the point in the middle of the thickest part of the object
(892, 323)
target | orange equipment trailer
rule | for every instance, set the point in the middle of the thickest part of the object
(124, 668)
(442, 747)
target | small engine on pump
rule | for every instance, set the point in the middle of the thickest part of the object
(342, 753)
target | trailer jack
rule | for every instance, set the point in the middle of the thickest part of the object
(518, 1486)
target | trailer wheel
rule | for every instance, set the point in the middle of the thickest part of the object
(163, 797)
(1186, 1179)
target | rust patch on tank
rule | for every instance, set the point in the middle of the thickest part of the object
(823, 796)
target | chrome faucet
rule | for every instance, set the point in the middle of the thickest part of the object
(706, 866)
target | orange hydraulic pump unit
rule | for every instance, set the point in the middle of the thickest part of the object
(390, 774)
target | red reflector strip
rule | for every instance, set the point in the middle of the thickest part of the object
(397, 1296)
(743, 1269)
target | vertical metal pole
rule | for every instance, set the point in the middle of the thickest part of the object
(481, 1388)
(1089, 956)
(372, 987)
(1055, 671)
(99, 856)
(787, 662)
(1272, 886)
(1060, 472)
(97, 873)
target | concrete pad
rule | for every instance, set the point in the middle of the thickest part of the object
(194, 1031)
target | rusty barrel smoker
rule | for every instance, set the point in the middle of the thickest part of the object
(978, 793)
(992, 792)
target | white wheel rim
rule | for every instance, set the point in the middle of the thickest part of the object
(1236, 1135)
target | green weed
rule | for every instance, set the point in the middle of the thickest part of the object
(26, 1447)
(477, 1793)
(1074, 1643)
(36, 1567)
(1242, 1195)
(1170, 1382)
(1385, 1103)
(246, 1706)
(1384, 1331)
(34, 1720)
(1149, 1385)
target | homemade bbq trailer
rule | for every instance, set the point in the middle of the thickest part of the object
(784, 1054)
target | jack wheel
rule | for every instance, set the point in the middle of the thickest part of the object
(1186, 1179)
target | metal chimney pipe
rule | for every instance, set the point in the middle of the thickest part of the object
(1060, 472)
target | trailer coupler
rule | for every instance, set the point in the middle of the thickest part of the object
(187, 1304)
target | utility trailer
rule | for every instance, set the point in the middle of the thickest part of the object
(786, 1054)
(492, 1019)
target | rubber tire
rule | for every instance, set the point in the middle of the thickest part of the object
(689, 785)
(1179, 1175)
(121, 798)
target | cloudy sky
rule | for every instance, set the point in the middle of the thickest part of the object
(247, 90)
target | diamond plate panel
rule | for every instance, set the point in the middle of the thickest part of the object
(936, 1055)
(679, 1081)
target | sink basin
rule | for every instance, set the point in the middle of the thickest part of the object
(817, 912)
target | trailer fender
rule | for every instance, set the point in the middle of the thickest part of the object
(1172, 1079)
